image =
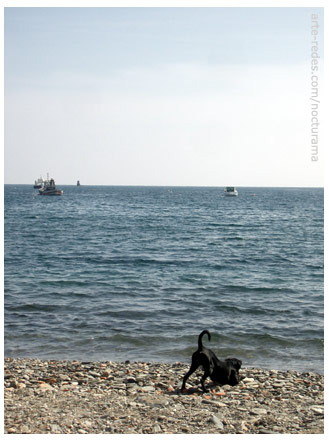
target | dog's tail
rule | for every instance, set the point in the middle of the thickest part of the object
(200, 338)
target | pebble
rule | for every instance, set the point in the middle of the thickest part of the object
(147, 388)
(256, 411)
(72, 397)
(213, 403)
(215, 420)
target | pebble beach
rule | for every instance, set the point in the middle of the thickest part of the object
(72, 397)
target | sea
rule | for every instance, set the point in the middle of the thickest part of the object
(136, 273)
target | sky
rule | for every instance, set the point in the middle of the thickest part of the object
(161, 96)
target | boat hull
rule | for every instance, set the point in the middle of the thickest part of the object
(51, 193)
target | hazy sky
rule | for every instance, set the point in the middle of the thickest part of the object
(160, 96)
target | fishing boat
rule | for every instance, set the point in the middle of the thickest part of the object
(49, 189)
(78, 183)
(231, 191)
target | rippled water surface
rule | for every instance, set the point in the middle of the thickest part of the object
(138, 272)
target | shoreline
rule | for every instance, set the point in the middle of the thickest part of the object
(66, 397)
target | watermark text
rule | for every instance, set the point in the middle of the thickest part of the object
(315, 101)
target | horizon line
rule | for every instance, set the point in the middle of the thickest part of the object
(184, 186)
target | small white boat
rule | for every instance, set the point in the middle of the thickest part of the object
(231, 191)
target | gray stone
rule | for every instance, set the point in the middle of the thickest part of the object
(148, 389)
(215, 420)
(214, 403)
(259, 411)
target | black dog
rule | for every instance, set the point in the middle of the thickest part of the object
(222, 372)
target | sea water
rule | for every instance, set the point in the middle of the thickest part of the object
(118, 273)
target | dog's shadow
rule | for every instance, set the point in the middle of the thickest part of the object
(192, 390)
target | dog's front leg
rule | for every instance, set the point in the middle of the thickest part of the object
(234, 378)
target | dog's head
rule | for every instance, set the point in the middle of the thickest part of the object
(234, 365)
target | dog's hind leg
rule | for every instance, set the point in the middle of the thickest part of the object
(194, 366)
(203, 379)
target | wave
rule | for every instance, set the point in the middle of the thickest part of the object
(138, 261)
(34, 307)
(254, 310)
(264, 289)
